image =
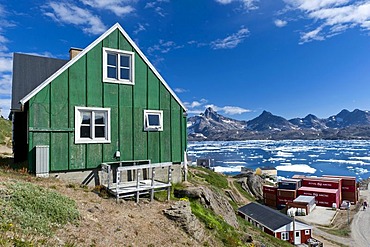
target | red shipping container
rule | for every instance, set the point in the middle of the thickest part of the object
(308, 182)
(323, 197)
(269, 189)
(346, 180)
(271, 203)
(287, 193)
(348, 188)
(269, 196)
(284, 200)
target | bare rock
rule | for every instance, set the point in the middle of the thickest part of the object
(215, 201)
(252, 184)
(184, 218)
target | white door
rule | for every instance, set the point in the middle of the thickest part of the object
(297, 237)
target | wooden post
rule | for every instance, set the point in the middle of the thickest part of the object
(152, 185)
(169, 181)
(137, 185)
(118, 179)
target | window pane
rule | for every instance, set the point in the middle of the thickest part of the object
(112, 72)
(99, 131)
(153, 119)
(85, 117)
(99, 118)
(85, 131)
(112, 59)
(125, 74)
(125, 61)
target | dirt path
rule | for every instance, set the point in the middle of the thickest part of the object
(360, 228)
(240, 199)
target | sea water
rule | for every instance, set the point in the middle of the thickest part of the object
(289, 157)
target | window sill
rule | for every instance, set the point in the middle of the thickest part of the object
(90, 141)
(107, 80)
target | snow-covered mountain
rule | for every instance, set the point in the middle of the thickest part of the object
(345, 125)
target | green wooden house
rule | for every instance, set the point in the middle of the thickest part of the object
(107, 103)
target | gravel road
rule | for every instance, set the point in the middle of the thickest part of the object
(360, 227)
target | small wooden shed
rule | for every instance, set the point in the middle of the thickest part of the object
(107, 103)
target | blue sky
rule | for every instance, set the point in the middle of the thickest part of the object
(289, 57)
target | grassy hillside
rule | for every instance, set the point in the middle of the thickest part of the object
(5, 132)
(50, 212)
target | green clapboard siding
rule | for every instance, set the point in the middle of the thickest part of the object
(140, 103)
(77, 154)
(165, 135)
(52, 110)
(153, 104)
(126, 123)
(94, 77)
(40, 107)
(175, 132)
(94, 154)
(59, 151)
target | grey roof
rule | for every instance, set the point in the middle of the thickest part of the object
(30, 71)
(266, 216)
(306, 199)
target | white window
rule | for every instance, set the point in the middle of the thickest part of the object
(307, 232)
(285, 235)
(153, 120)
(118, 66)
(92, 125)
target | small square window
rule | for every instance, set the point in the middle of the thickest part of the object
(285, 235)
(153, 120)
(92, 125)
(307, 232)
(118, 66)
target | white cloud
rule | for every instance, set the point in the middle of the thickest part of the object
(140, 28)
(246, 4)
(280, 23)
(164, 47)
(71, 14)
(181, 90)
(154, 5)
(231, 41)
(6, 63)
(118, 7)
(331, 17)
(5, 107)
(197, 107)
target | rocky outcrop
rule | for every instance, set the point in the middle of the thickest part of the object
(181, 213)
(212, 200)
(252, 184)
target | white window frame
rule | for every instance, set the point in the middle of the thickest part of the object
(106, 51)
(307, 232)
(285, 236)
(93, 139)
(146, 120)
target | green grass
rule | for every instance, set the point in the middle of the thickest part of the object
(30, 210)
(223, 231)
(215, 179)
(5, 132)
(243, 192)
(342, 232)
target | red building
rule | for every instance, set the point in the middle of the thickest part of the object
(275, 223)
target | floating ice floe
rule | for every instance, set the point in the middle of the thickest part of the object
(234, 162)
(228, 169)
(296, 168)
(358, 170)
(350, 162)
(284, 154)
(359, 158)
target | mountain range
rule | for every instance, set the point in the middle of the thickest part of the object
(214, 127)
